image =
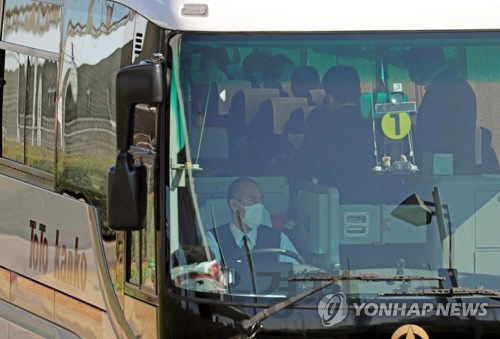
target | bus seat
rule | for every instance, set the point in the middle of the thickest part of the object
(282, 108)
(221, 214)
(215, 144)
(318, 221)
(275, 190)
(318, 96)
(226, 90)
(253, 99)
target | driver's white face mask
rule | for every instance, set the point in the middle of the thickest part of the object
(253, 215)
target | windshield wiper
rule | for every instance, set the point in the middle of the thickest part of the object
(328, 279)
(451, 292)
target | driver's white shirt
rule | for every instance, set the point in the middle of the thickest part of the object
(238, 235)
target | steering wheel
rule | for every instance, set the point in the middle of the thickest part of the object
(269, 250)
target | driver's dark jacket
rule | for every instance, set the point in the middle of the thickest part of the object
(267, 237)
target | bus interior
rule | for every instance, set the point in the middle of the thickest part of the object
(333, 228)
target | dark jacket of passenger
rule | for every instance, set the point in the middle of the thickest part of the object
(446, 121)
(338, 151)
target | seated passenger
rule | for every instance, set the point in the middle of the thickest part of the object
(272, 71)
(262, 71)
(446, 120)
(269, 147)
(244, 198)
(252, 66)
(212, 69)
(212, 65)
(489, 160)
(338, 143)
(303, 80)
(235, 122)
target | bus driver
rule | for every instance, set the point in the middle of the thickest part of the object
(246, 233)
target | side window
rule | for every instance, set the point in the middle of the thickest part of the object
(30, 42)
(99, 38)
(32, 23)
(13, 106)
(40, 114)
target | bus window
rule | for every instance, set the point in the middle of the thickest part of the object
(13, 106)
(40, 114)
(33, 24)
(29, 110)
(31, 37)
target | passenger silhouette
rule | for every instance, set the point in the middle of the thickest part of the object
(446, 120)
(274, 150)
(338, 143)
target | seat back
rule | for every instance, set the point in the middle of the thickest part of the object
(282, 108)
(210, 189)
(254, 97)
(318, 96)
(221, 213)
(225, 93)
(318, 221)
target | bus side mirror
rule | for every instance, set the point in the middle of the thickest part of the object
(127, 184)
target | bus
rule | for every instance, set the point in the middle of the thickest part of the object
(174, 168)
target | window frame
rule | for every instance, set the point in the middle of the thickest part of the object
(13, 168)
(9, 167)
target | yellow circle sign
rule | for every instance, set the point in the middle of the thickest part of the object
(396, 125)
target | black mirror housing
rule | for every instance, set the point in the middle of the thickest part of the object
(127, 195)
(136, 84)
(127, 183)
(414, 210)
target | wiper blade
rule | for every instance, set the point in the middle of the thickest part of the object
(328, 279)
(266, 313)
(454, 291)
(364, 277)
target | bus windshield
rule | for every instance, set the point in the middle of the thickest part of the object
(322, 153)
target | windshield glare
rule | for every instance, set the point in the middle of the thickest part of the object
(308, 144)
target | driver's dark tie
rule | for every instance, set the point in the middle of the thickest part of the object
(247, 248)
(246, 242)
(250, 263)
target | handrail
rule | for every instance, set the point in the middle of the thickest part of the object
(116, 315)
